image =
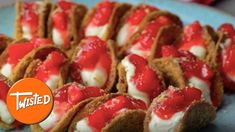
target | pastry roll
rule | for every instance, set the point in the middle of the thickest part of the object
(68, 99)
(110, 113)
(31, 19)
(94, 63)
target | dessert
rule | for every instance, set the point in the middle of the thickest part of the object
(132, 22)
(101, 20)
(185, 69)
(226, 56)
(139, 78)
(67, 101)
(16, 57)
(178, 110)
(162, 28)
(31, 18)
(64, 23)
(94, 63)
(52, 70)
(116, 112)
(198, 40)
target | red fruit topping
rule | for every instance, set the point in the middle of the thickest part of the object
(193, 36)
(150, 31)
(93, 53)
(111, 108)
(145, 78)
(169, 50)
(4, 90)
(51, 66)
(227, 60)
(176, 100)
(17, 51)
(30, 16)
(102, 13)
(138, 15)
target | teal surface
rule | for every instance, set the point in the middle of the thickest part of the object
(225, 120)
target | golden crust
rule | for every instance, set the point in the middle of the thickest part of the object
(42, 19)
(171, 32)
(76, 16)
(118, 11)
(65, 121)
(197, 115)
(171, 70)
(4, 40)
(113, 73)
(128, 120)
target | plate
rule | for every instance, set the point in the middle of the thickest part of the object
(188, 12)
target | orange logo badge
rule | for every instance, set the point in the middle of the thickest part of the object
(30, 100)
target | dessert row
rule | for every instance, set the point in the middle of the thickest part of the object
(118, 67)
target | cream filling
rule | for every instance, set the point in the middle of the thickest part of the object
(201, 85)
(96, 77)
(157, 124)
(49, 121)
(198, 51)
(132, 89)
(82, 126)
(52, 82)
(99, 31)
(125, 33)
(136, 49)
(6, 70)
(57, 38)
(26, 32)
(4, 113)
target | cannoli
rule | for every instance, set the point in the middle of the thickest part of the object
(186, 69)
(139, 78)
(178, 110)
(130, 23)
(67, 101)
(52, 70)
(4, 41)
(64, 23)
(162, 28)
(6, 120)
(198, 40)
(94, 63)
(110, 113)
(31, 18)
(16, 57)
(102, 19)
(226, 55)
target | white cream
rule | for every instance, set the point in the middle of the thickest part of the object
(157, 124)
(198, 51)
(52, 82)
(132, 90)
(99, 31)
(125, 33)
(49, 121)
(6, 70)
(82, 126)
(57, 38)
(96, 77)
(5, 116)
(136, 49)
(26, 32)
(202, 85)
